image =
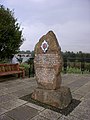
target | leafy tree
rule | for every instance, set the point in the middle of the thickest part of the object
(10, 34)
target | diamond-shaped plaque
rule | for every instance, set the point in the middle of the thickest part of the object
(44, 46)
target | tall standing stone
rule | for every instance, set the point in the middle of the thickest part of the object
(48, 65)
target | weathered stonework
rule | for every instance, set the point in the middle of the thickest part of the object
(59, 98)
(48, 65)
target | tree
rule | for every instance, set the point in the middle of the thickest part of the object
(10, 34)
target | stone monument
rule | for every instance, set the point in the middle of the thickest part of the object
(48, 65)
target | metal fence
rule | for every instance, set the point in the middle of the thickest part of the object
(81, 64)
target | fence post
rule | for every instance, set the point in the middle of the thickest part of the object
(82, 65)
(65, 65)
(31, 68)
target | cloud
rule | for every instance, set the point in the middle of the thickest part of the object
(71, 35)
(70, 20)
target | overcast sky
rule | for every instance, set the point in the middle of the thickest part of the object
(69, 19)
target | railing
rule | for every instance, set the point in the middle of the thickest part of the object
(31, 68)
(81, 65)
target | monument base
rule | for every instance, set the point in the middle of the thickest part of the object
(59, 98)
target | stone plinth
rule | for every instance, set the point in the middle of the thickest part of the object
(59, 98)
(48, 65)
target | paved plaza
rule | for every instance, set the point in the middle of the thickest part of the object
(13, 108)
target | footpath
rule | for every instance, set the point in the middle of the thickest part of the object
(14, 108)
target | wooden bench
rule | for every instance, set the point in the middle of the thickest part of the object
(8, 69)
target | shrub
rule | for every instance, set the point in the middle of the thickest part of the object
(26, 67)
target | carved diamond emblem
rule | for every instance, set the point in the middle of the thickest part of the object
(44, 46)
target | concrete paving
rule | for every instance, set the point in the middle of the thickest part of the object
(13, 108)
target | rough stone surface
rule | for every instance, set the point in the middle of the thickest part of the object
(59, 98)
(48, 65)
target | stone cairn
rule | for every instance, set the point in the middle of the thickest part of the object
(48, 65)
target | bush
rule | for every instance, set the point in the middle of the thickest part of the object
(73, 70)
(26, 67)
(87, 66)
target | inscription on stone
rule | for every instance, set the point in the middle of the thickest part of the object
(47, 59)
(45, 75)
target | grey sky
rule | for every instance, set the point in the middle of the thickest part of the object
(69, 19)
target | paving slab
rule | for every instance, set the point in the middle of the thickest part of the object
(68, 78)
(2, 110)
(87, 96)
(13, 108)
(85, 103)
(49, 114)
(83, 90)
(77, 96)
(6, 97)
(20, 93)
(69, 118)
(81, 112)
(4, 117)
(9, 105)
(77, 84)
(22, 113)
(23, 92)
(3, 92)
(38, 117)
(39, 108)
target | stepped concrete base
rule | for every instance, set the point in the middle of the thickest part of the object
(59, 98)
